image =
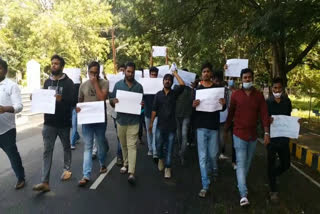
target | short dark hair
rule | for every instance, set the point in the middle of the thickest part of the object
(277, 80)
(170, 76)
(218, 74)
(4, 64)
(122, 66)
(154, 69)
(131, 64)
(246, 70)
(94, 64)
(206, 65)
(56, 56)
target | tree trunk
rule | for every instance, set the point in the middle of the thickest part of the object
(279, 61)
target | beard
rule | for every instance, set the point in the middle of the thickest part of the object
(56, 73)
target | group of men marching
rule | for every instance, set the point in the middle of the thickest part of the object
(170, 116)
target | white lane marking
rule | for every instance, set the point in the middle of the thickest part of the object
(300, 171)
(305, 175)
(102, 176)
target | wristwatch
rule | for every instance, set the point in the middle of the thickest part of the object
(266, 133)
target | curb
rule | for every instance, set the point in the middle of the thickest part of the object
(306, 155)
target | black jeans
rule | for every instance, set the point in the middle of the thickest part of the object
(8, 145)
(274, 169)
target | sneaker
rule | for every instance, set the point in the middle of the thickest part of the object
(244, 202)
(73, 147)
(103, 169)
(131, 179)
(223, 157)
(66, 175)
(202, 193)
(274, 197)
(167, 173)
(42, 187)
(160, 165)
(119, 162)
(149, 153)
(78, 141)
(83, 182)
(123, 170)
(20, 184)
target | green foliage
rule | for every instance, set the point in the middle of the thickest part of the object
(33, 29)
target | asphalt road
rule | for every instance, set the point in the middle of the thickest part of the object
(152, 193)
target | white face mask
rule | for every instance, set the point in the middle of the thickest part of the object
(247, 85)
(277, 95)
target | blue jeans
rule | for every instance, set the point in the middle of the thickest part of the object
(208, 148)
(244, 154)
(165, 141)
(119, 151)
(182, 134)
(151, 137)
(89, 132)
(74, 131)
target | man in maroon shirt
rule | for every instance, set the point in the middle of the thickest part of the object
(245, 107)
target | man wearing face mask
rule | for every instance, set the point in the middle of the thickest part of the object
(57, 124)
(245, 107)
(278, 104)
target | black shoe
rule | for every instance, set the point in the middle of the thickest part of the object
(94, 156)
(20, 184)
(132, 179)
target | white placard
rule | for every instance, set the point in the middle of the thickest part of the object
(146, 73)
(91, 112)
(113, 79)
(235, 66)
(209, 99)
(163, 70)
(73, 74)
(129, 102)
(43, 101)
(151, 85)
(187, 77)
(285, 126)
(159, 51)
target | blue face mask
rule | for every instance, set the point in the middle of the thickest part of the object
(230, 83)
(247, 85)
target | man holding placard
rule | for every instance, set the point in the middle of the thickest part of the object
(128, 120)
(93, 90)
(148, 102)
(59, 123)
(207, 124)
(10, 104)
(246, 105)
(278, 104)
(164, 107)
(183, 117)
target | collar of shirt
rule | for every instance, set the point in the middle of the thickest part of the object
(133, 84)
(4, 82)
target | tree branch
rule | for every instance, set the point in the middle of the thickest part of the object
(298, 60)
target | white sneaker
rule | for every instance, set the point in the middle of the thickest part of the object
(223, 157)
(149, 153)
(167, 173)
(244, 202)
(73, 147)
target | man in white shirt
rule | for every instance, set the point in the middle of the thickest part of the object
(10, 104)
